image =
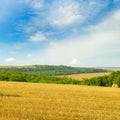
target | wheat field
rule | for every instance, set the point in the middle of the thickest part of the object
(37, 101)
(87, 75)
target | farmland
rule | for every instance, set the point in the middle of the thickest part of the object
(105, 80)
(87, 75)
(38, 101)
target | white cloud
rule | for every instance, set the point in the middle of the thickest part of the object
(10, 60)
(34, 4)
(37, 4)
(65, 13)
(111, 24)
(37, 37)
(74, 61)
(100, 43)
(99, 47)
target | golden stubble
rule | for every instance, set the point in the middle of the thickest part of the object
(37, 101)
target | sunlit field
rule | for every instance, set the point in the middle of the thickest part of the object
(87, 75)
(36, 101)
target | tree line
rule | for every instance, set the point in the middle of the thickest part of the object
(25, 77)
(113, 78)
(52, 70)
(108, 81)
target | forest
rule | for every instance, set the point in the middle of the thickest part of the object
(52, 70)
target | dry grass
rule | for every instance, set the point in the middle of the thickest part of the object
(87, 75)
(35, 101)
(115, 85)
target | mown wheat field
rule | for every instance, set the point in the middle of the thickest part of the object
(87, 75)
(36, 101)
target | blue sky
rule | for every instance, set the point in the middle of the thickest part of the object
(61, 32)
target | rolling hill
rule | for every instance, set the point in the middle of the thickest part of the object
(52, 70)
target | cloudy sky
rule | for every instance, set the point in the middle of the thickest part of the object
(61, 32)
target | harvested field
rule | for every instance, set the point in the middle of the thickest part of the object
(36, 101)
(87, 75)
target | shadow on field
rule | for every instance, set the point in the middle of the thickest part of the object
(7, 95)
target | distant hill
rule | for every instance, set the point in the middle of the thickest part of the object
(51, 70)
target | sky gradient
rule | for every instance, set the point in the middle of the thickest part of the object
(82, 33)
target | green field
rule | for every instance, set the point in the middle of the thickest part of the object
(38, 101)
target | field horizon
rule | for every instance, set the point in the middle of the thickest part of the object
(59, 59)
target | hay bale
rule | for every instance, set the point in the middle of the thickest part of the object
(115, 86)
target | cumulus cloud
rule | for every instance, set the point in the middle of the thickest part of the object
(74, 61)
(10, 60)
(63, 14)
(66, 13)
(99, 46)
(73, 12)
(37, 37)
